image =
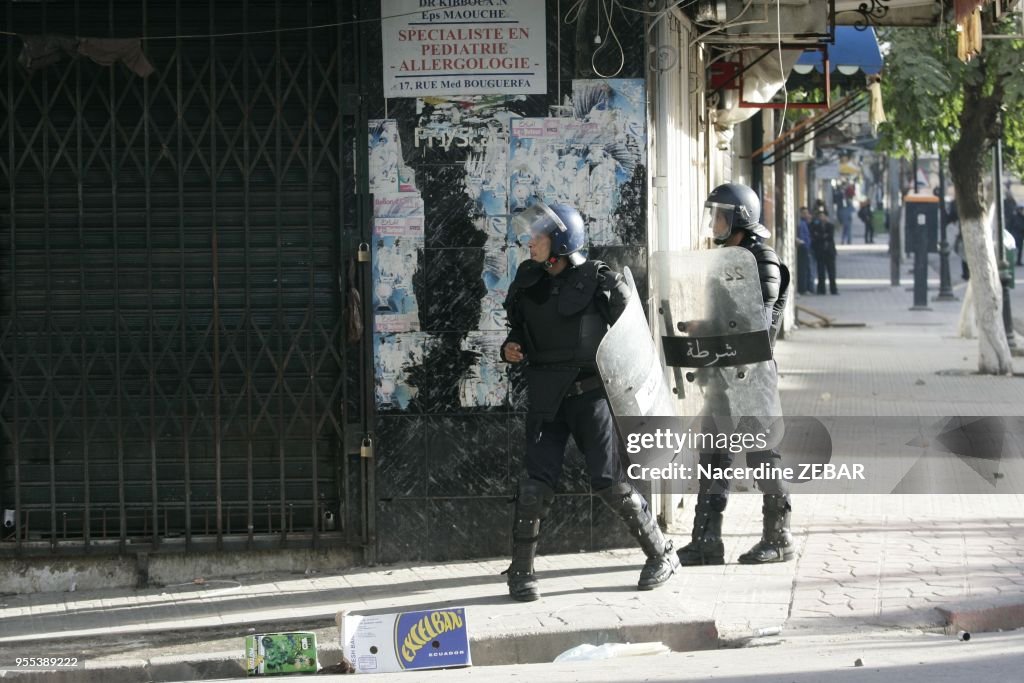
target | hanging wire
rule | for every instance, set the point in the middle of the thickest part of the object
(658, 14)
(336, 24)
(681, 4)
(604, 41)
(782, 70)
(572, 14)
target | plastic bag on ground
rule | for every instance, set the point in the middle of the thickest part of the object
(587, 652)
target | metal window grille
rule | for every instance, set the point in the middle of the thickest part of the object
(173, 364)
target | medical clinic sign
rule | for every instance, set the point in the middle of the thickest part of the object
(463, 47)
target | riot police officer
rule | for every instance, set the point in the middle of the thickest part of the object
(559, 307)
(733, 213)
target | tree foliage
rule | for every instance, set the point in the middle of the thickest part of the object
(924, 85)
(934, 100)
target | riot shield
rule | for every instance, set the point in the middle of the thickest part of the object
(630, 366)
(715, 339)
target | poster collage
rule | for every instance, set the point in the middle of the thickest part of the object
(583, 157)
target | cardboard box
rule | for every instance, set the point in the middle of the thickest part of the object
(406, 641)
(271, 654)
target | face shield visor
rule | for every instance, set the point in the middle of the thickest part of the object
(718, 220)
(537, 219)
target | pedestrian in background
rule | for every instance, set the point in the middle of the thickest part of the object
(804, 276)
(823, 243)
(1017, 229)
(865, 215)
(844, 207)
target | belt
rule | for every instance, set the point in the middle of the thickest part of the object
(584, 385)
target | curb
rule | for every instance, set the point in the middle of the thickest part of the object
(157, 638)
(507, 648)
(539, 647)
(983, 619)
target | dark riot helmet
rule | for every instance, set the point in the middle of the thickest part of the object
(733, 207)
(561, 222)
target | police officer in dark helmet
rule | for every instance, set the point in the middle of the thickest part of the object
(733, 213)
(559, 307)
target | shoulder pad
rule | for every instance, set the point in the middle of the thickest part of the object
(578, 290)
(765, 254)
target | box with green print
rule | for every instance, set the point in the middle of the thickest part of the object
(269, 654)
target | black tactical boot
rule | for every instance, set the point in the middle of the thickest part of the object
(533, 501)
(776, 544)
(628, 504)
(705, 546)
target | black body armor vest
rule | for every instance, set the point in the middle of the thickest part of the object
(563, 322)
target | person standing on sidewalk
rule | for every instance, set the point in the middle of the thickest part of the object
(844, 208)
(1016, 222)
(560, 306)
(804, 276)
(865, 215)
(823, 242)
(734, 214)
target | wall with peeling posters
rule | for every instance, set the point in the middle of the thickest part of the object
(447, 173)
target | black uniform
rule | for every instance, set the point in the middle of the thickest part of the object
(823, 244)
(559, 322)
(774, 278)
(706, 545)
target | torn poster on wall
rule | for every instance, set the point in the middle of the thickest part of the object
(479, 148)
(496, 278)
(394, 303)
(479, 124)
(394, 355)
(396, 249)
(398, 220)
(385, 155)
(586, 160)
(484, 384)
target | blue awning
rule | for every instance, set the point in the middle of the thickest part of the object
(853, 50)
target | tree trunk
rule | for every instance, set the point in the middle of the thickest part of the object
(987, 293)
(978, 128)
(967, 314)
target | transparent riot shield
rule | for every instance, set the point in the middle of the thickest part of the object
(715, 339)
(630, 366)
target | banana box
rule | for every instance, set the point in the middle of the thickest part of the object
(406, 641)
(270, 654)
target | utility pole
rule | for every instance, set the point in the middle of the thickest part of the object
(1005, 272)
(892, 219)
(945, 284)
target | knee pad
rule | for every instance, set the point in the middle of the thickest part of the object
(623, 498)
(534, 497)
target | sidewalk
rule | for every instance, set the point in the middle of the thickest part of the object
(865, 562)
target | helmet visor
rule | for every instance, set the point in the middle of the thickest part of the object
(537, 219)
(718, 220)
